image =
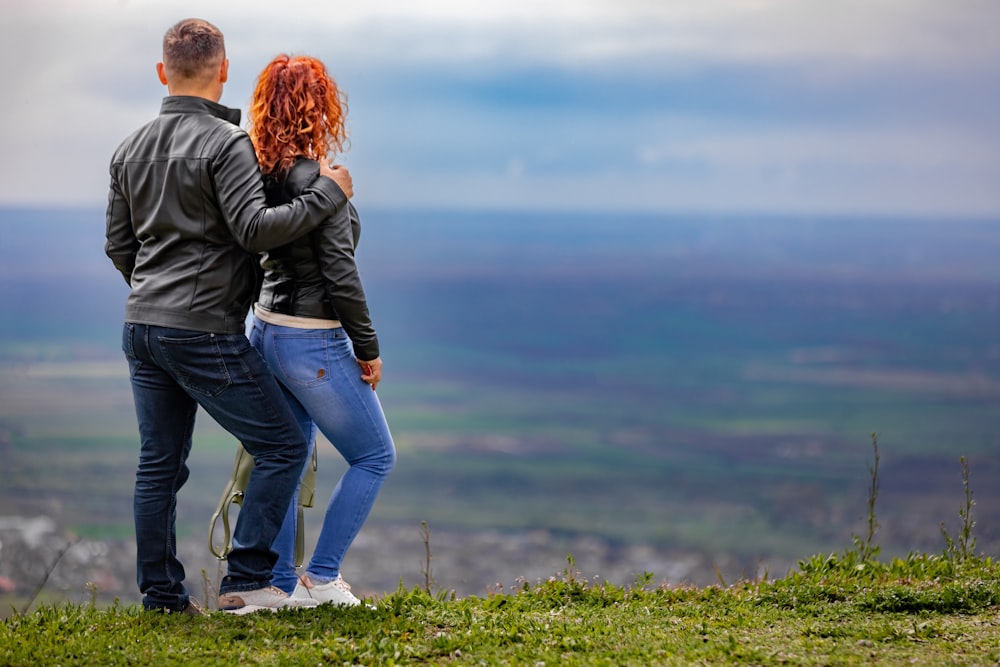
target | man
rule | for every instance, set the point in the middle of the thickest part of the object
(186, 215)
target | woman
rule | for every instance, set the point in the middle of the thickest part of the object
(311, 320)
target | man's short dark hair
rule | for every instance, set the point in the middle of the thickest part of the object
(192, 49)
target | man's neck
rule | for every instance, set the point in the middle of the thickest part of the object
(210, 93)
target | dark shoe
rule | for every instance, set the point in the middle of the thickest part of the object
(193, 608)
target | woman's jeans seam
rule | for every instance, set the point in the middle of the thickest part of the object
(349, 415)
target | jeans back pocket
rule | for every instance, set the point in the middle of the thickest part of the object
(197, 362)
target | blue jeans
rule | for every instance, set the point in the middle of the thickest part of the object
(323, 385)
(173, 371)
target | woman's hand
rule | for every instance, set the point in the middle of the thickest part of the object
(371, 371)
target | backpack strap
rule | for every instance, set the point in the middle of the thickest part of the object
(233, 493)
(307, 494)
(236, 488)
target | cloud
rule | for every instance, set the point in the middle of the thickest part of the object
(866, 105)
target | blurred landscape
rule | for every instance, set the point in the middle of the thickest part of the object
(688, 395)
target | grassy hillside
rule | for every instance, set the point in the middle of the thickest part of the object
(835, 610)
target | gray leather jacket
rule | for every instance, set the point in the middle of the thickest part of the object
(315, 275)
(187, 214)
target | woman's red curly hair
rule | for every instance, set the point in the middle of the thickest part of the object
(296, 111)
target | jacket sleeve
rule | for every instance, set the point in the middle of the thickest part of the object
(240, 193)
(334, 243)
(121, 244)
(335, 254)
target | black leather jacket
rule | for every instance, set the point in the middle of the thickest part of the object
(187, 214)
(315, 275)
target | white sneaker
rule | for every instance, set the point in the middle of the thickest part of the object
(336, 592)
(268, 598)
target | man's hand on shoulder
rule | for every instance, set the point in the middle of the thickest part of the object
(340, 176)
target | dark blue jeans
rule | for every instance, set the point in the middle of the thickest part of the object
(173, 371)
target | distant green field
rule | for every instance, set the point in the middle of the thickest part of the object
(757, 470)
(707, 387)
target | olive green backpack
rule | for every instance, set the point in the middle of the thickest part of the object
(236, 487)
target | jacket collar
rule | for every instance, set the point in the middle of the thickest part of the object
(190, 104)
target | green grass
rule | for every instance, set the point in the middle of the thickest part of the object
(833, 610)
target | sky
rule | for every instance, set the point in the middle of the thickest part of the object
(819, 107)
